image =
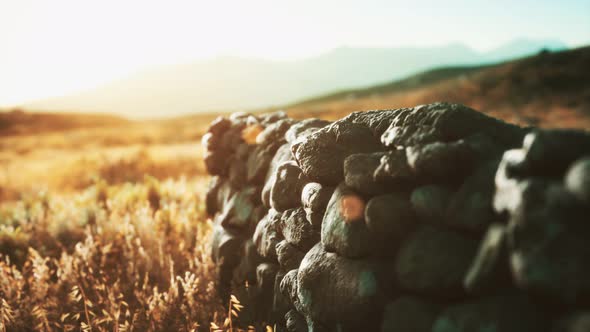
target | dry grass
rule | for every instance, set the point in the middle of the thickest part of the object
(128, 257)
(96, 236)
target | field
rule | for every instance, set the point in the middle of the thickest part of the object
(102, 222)
(102, 228)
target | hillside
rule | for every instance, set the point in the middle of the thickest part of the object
(17, 122)
(232, 83)
(550, 89)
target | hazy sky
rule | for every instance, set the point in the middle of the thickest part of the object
(56, 47)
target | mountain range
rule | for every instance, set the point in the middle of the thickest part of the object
(233, 83)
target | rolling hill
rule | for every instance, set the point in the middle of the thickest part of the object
(230, 83)
(550, 89)
(18, 122)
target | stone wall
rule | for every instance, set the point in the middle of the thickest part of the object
(432, 218)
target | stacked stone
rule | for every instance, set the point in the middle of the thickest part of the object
(543, 189)
(382, 220)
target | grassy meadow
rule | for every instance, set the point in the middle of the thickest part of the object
(102, 228)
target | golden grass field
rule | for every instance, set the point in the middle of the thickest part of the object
(103, 229)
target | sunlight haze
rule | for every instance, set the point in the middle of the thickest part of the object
(59, 47)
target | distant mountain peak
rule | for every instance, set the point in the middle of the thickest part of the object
(234, 83)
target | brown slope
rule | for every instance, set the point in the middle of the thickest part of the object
(17, 122)
(548, 90)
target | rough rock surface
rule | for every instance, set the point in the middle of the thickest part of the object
(434, 261)
(431, 218)
(409, 314)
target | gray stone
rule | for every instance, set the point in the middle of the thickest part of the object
(489, 270)
(216, 162)
(376, 120)
(281, 304)
(288, 255)
(297, 230)
(344, 230)
(443, 122)
(321, 154)
(551, 152)
(574, 322)
(225, 250)
(209, 142)
(274, 132)
(211, 201)
(246, 270)
(431, 202)
(295, 322)
(434, 261)
(510, 313)
(267, 235)
(238, 210)
(333, 290)
(394, 168)
(237, 173)
(285, 193)
(288, 287)
(510, 171)
(389, 218)
(265, 283)
(258, 163)
(409, 314)
(548, 235)
(441, 161)
(359, 174)
(577, 180)
(302, 127)
(314, 199)
(219, 126)
(272, 117)
(471, 207)
(282, 154)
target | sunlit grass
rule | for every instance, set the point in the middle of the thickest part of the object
(113, 258)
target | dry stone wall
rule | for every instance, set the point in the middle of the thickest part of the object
(432, 218)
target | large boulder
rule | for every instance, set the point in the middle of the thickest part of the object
(344, 229)
(267, 235)
(434, 261)
(282, 155)
(409, 314)
(430, 202)
(444, 122)
(490, 271)
(389, 218)
(321, 154)
(238, 211)
(441, 161)
(288, 255)
(304, 127)
(285, 192)
(338, 291)
(226, 249)
(574, 322)
(297, 231)
(505, 313)
(551, 152)
(394, 169)
(359, 174)
(577, 180)
(548, 235)
(470, 208)
(314, 199)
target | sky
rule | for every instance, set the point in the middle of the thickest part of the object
(57, 47)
